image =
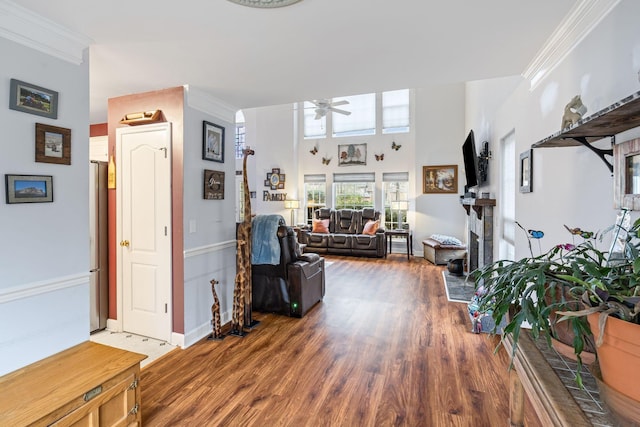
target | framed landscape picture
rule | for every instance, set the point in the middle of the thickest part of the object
(28, 188)
(441, 179)
(33, 99)
(53, 144)
(212, 142)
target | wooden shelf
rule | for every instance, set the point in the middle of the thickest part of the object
(608, 122)
(477, 205)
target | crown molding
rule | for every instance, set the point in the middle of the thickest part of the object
(29, 29)
(578, 23)
(202, 101)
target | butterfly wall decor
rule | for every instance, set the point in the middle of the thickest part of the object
(314, 150)
(395, 146)
(326, 161)
(379, 157)
(536, 234)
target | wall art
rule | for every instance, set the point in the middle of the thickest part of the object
(352, 154)
(33, 99)
(213, 185)
(212, 142)
(29, 188)
(53, 144)
(442, 179)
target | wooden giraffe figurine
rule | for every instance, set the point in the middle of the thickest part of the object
(237, 315)
(215, 312)
(244, 233)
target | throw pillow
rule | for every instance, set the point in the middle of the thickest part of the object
(446, 240)
(371, 227)
(320, 226)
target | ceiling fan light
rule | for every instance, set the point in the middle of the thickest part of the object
(265, 4)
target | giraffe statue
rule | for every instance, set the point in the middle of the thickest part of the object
(242, 299)
(244, 233)
(215, 312)
(237, 315)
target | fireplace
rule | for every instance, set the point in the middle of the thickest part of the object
(480, 231)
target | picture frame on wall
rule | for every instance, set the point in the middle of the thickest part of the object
(53, 144)
(28, 188)
(213, 185)
(526, 171)
(440, 179)
(32, 99)
(352, 155)
(212, 142)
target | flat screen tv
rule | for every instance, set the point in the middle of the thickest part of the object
(470, 157)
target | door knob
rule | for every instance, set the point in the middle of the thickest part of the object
(124, 243)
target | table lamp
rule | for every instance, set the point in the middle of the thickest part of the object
(401, 205)
(293, 205)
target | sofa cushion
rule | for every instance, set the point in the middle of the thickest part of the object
(320, 226)
(364, 241)
(346, 221)
(371, 227)
(340, 241)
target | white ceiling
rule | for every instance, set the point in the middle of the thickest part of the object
(248, 57)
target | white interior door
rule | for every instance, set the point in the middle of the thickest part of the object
(143, 182)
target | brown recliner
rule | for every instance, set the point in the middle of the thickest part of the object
(294, 285)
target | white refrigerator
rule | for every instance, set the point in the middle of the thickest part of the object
(99, 258)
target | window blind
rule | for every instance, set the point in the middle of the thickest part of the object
(354, 177)
(395, 176)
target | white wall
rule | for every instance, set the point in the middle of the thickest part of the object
(209, 227)
(44, 255)
(571, 186)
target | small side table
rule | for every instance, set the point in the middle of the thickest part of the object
(406, 234)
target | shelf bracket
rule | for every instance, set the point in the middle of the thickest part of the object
(599, 151)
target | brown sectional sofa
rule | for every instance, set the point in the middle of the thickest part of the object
(345, 235)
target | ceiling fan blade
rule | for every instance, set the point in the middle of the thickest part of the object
(343, 102)
(339, 111)
(319, 113)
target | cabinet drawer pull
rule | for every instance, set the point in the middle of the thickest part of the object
(92, 393)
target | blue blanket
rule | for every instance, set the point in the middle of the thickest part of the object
(265, 248)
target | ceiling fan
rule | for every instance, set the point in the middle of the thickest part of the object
(322, 106)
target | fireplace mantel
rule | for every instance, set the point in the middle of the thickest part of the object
(477, 205)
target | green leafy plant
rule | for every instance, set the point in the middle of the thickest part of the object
(526, 291)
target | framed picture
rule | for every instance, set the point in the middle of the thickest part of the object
(526, 171)
(442, 179)
(33, 99)
(352, 154)
(53, 144)
(29, 188)
(212, 142)
(213, 185)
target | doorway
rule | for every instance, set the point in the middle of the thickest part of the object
(143, 231)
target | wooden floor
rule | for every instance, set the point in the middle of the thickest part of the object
(384, 348)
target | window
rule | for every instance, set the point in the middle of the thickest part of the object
(315, 190)
(313, 128)
(506, 246)
(394, 115)
(240, 134)
(395, 194)
(353, 190)
(395, 111)
(361, 121)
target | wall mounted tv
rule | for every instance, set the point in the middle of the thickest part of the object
(470, 157)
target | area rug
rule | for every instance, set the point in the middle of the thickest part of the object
(457, 287)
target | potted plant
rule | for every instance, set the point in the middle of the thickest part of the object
(607, 282)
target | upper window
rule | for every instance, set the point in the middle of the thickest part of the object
(313, 128)
(395, 111)
(369, 114)
(361, 121)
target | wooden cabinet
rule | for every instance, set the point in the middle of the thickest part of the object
(87, 385)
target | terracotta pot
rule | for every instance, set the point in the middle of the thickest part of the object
(619, 355)
(563, 330)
